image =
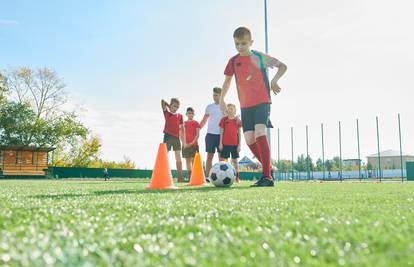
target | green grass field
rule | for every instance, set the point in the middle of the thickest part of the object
(118, 223)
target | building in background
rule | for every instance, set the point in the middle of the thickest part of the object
(27, 161)
(390, 159)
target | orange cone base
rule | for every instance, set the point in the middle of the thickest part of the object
(162, 188)
(161, 175)
(197, 174)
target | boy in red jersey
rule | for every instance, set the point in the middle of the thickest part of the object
(192, 132)
(230, 138)
(173, 132)
(250, 70)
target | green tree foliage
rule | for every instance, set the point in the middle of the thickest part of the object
(86, 152)
(16, 123)
(79, 152)
(3, 87)
(33, 113)
(284, 165)
(20, 126)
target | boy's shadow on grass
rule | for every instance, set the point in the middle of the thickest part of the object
(169, 191)
(141, 191)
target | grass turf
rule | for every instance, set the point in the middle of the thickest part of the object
(118, 223)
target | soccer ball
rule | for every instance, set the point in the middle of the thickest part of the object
(222, 174)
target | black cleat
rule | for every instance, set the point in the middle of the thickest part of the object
(263, 182)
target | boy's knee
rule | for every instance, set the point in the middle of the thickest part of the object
(260, 130)
(249, 137)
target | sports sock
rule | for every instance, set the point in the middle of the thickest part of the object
(255, 150)
(263, 147)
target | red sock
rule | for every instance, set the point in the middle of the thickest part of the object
(263, 147)
(255, 150)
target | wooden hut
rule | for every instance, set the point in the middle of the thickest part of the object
(27, 161)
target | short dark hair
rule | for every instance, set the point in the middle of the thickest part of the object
(217, 90)
(190, 109)
(240, 32)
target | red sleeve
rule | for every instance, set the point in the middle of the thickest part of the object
(229, 71)
(221, 124)
(197, 125)
(166, 113)
(269, 61)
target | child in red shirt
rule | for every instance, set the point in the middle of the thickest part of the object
(173, 132)
(191, 134)
(230, 138)
(250, 70)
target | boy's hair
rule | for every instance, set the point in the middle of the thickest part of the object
(240, 32)
(231, 105)
(174, 100)
(190, 109)
(217, 90)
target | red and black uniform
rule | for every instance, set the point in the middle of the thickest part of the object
(253, 89)
(173, 121)
(230, 138)
(190, 128)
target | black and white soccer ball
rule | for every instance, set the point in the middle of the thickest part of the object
(222, 174)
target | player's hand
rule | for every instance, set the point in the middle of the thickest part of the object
(221, 147)
(238, 149)
(223, 107)
(275, 87)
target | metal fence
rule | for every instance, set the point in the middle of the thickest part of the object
(341, 172)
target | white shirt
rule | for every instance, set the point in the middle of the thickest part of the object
(215, 115)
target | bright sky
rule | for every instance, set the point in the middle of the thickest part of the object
(347, 59)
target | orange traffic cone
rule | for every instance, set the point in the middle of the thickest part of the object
(161, 175)
(197, 174)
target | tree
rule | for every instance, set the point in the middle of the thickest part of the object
(42, 88)
(284, 166)
(328, 165)
(319, 165)
(80, 152)
(37, 96)
(15, 123)
(309, 163)
(19, 126)
(336, 162)
(3, 87)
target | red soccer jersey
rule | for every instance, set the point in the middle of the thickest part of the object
(191, 131)
(251, 83)
(172, 123)
(230, 131)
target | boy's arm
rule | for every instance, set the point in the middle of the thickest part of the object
(221, 138)
(182, 134)
(196, 137)
(204, 120)
(238, 138)
(224, 90)
(281, 69)
(164, 105)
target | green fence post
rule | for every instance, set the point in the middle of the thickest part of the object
(379, 153)
(323, 153)
(307, 153)
(340, 152)
(291, 139)
(359, 151)
(401, 155)
(278, 146)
